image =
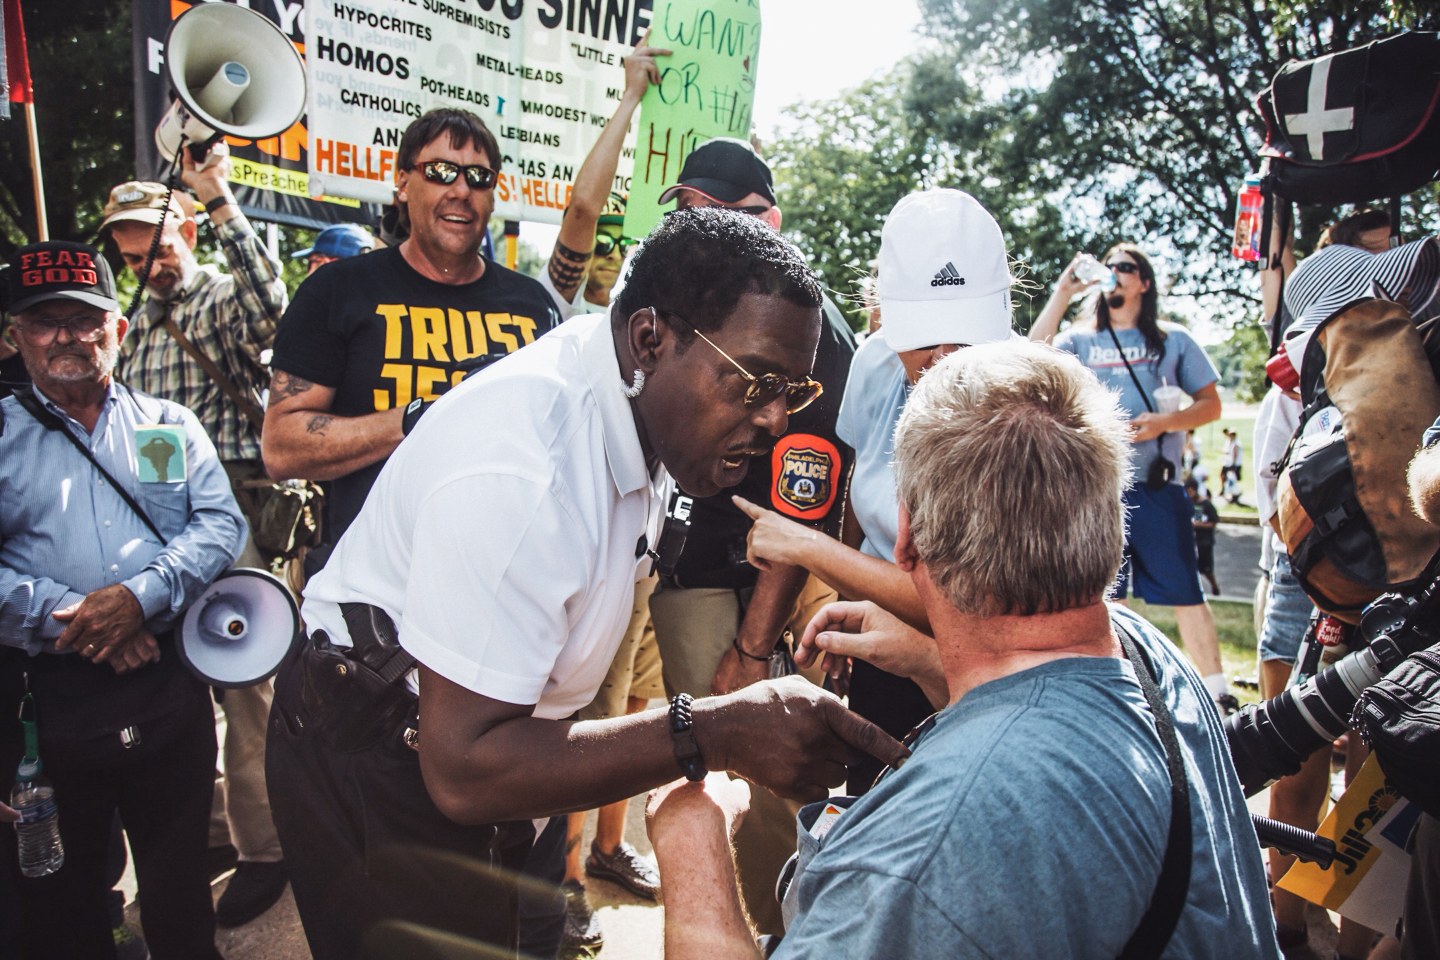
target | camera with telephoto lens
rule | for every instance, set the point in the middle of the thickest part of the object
(1270, 740)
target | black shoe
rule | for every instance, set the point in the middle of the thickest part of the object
(626, 867)
(218, 860)
(583, 937)
(252, 890)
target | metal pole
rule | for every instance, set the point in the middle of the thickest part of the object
(42, 224)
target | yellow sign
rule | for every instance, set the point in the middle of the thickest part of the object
(295, 183)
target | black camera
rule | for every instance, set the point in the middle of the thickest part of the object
(1271, 739)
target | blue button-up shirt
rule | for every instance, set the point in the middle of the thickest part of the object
(65, 532)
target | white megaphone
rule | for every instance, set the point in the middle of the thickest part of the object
(240, 630)
(233, 72)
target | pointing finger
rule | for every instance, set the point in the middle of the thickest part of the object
(751, 510)
(866, 736)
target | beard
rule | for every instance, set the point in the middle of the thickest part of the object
(1115, 300)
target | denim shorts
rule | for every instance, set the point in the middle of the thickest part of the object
(1287, 614)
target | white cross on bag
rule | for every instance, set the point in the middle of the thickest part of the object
(1316, 121)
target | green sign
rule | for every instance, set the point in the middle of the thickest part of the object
(706, 90)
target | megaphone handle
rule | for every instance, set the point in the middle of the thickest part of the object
(204, 154)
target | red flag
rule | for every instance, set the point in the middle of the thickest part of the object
(17, 64)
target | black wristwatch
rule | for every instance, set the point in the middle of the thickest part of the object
(413, 412)
(682, 731)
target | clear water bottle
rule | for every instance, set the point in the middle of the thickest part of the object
(41, 852)
(1089, 270)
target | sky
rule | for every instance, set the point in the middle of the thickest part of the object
(807, 55)
(810, 50)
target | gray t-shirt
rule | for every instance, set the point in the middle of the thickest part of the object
(1031, 822)
(1183, 364)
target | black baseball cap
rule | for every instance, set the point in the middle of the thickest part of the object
(60, 270)
(724, 169)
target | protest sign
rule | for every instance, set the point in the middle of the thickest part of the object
(268, 177)
(544, 76)
(1371, 827)
(706, 90)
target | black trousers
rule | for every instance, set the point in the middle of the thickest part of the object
(162, 790)
(377, 870)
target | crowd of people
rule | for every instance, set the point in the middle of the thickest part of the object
(897, 564)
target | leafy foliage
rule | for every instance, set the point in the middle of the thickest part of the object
(80, 63)
(1078, 123)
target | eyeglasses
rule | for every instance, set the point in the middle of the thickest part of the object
(1124, 266)
(768, 387)
(83, 327)
(606, 244)
(445, 171)
(759, 210)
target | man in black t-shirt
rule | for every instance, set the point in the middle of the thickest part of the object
(717, 619)
(370, 341)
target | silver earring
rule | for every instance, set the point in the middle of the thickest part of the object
(632, 390)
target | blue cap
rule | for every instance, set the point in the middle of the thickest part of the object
(340, 241)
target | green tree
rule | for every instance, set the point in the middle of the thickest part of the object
(1133, 119)
(839, 168)
(80, 64)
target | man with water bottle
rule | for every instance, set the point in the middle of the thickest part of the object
(100, 554)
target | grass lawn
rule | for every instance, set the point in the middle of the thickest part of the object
(1239, 417)
(1235, 624)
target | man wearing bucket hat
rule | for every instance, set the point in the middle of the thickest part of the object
(719, 622)
(336, 242)
(943, 283)
(101, 550)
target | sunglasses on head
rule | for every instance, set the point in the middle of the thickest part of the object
(1124, 266)
(445, 171)
(765, 389)
(606, 244)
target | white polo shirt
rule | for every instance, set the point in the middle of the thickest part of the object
(501, 536)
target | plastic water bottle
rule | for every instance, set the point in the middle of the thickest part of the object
(1249, 209)
(41, 852)
(1089, 269)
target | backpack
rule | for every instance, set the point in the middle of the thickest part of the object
(1355, 125)
(1344, 510)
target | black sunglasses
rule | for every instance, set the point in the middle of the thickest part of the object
(606, 244)
(1124, 266)
(445, 171)
(765, 389)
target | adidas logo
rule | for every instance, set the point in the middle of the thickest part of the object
(948, 277)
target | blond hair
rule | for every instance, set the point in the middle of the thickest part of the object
(1012, 461)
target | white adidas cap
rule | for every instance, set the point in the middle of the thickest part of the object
(943, 274)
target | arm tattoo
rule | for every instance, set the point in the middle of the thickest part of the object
(581, 257)
(564, 276)
(283, 386)
(318, 423)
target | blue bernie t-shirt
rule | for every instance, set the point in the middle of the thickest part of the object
(1031, 822)
(1183, 364)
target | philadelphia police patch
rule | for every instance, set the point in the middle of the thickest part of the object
(806, 468)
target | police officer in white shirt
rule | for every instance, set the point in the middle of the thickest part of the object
(496, 555)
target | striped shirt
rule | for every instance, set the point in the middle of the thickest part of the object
(230, 318)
